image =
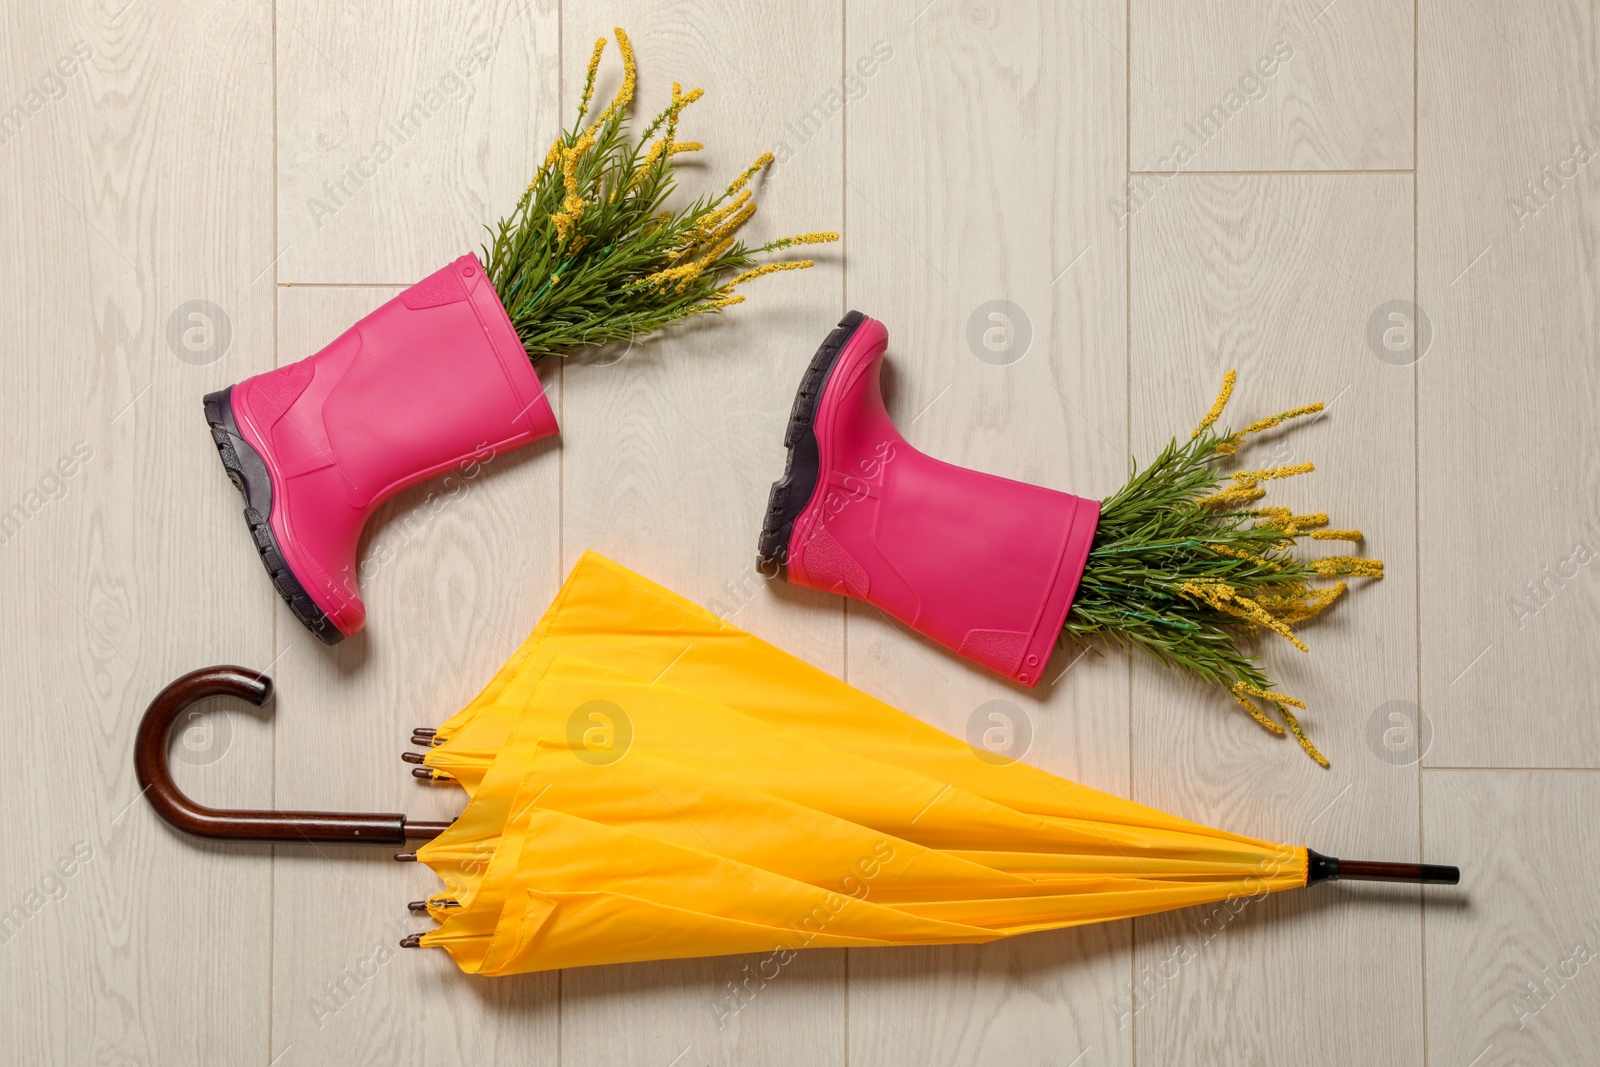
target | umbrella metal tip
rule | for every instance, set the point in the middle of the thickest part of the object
(422, 907)
(411, 941)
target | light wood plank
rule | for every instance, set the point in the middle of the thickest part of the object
(456, 572)
(117, 209)
(1277, 277)
(1271, 85)
(1510, 520)
(979, 160)
(1511, 955)
(405, 129)
(669, 454)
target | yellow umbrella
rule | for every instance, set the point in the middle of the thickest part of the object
(647, 781)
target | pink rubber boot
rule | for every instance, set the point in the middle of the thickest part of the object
(434, 379)
(983, 565)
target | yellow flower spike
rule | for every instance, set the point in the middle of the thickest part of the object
(714, 219)
(1269, 473)
(1256, 713)
(1276, 698)
(715, 252)
(566, 220)
(770, 268)
(749, 172)
(1212, 592)
(1216, 408)
(695, 269)
(1278, 516)
(1281, 417)
(552, 157)
(665, 277)
(588, 82)
(668, 116)
(1236, 494)
(731, 226)
(1306, 522)
(680, 100)
(1306, 605)
(1224, 598)
(680, 147)
(1337, 535)
(1321, 598)
(820, 237)
(630, 80)
(1351, 566)
(1262, 617)
(650, 159)
(1300, 736)
(1289, 593)
(1235, 553)
(714, 305)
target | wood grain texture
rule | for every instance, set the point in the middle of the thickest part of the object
(402, 132)
(979, 159)
(971, 152)
(117, 570)
(1271, 84)
(1509, 451)
(127, 565)
(455, 573)
(668, 453)
(1277, 276)
(1511, 962)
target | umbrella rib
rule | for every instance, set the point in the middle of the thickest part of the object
(1091, 823)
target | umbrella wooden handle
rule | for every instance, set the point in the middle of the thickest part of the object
(1320, 868)
(155, 777)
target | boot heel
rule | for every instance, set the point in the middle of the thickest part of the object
(248, 473)
(791, 493)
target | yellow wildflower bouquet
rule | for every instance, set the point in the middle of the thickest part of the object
(591, 254)
(1186, 565)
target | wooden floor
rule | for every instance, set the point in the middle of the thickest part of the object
(1157, 190)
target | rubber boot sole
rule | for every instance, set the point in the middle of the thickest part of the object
(248, 472)
(791, 493)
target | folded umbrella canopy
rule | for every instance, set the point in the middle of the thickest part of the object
(646, 781)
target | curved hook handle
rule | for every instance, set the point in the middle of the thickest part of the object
(155, 777)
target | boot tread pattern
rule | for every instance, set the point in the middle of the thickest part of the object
(248, 474)
(793, 491)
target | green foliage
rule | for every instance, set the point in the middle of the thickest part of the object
(1181, 570)
(592, 255)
